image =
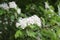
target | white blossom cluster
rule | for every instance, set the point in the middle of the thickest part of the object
(10, 5)
(24, 22)
(4, 6)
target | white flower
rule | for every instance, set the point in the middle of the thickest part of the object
(6, 22)
(46, 5)
(12, 4)
(38, 23)
(17, 24)
(34, 20)
(30, 21)
(4, 6)
(23, 23)
(0, 32)
(37, 20)
(18, 11)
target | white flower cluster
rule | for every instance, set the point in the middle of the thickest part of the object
(4, 6)
(11, 5)
(29, 21)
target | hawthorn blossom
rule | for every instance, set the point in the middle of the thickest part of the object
(4, 6)
(17, 24)
(23, 23)
(0, 32)
(12, 4)
(46, 5)
(37, 20)
(34, 20)
(18, 11)
(6, 22)
(30, 21)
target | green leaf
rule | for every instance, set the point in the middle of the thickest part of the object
(51, 7)
(32, 26)
(58, 31)
(12, 17)
(1, 12)
(18, 34)
(31, 33)
(47, 33)
(43, 21)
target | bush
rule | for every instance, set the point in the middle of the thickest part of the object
(29, 20)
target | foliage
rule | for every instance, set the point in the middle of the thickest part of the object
(50, 20)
